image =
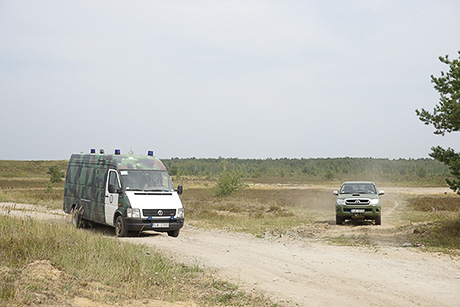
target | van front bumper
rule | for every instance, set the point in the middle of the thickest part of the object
(161, 225)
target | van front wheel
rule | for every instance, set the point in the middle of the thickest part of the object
(120, 228)
(173, 233)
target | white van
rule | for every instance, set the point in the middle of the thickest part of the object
(129, 192)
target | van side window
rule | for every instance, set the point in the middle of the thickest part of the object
(165, 180)
(113, 179)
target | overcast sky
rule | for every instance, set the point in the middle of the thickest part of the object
(246, 79)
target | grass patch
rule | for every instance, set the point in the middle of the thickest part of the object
(28, 169)
(29, 182)
(257, 211)
(438, 222)
(52, 199)
(38, 191)
(449, 203)
(43, 263)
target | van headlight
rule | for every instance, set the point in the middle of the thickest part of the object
(340, 202)
(375, 202)
(180, 213)
(133, 213)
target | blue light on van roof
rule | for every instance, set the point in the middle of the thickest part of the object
(93, 150)
(117, 151)
(150, 153)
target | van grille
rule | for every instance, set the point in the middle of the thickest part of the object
(159, 212)
(358, 201)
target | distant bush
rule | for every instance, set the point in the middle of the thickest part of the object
(228, 183)
(56, 174)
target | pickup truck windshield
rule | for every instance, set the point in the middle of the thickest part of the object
(146, 180)
(352, 188)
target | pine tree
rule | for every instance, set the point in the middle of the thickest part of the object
(446, 117)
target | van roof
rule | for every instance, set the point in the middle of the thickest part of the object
(122, 162)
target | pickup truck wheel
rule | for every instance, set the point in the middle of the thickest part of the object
(338, 220)
(378, 220)
(174, 233)
(120, 227)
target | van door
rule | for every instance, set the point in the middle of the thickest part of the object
(111, 199)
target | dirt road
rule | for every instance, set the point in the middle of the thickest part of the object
(306, 271)
(312, 273)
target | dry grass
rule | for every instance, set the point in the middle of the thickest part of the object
(447, 203)
(53, 264)
(37, 190)
(28, 169)
(258, 211)
(438, 220)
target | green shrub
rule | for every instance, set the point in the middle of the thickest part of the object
(228, 183)
(56, 174)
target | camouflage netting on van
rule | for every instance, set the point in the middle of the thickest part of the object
(122, 162)
(137, 162)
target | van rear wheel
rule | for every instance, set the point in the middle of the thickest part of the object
(120, 227)
(77, 221)
(174, 233)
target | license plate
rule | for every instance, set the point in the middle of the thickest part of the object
(160, 225)
(358, 210)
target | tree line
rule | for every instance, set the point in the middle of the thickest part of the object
(400, 170)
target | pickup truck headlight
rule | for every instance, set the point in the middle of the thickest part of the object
(180, 213)
(133, 213)
(340, 202)
(375, 202)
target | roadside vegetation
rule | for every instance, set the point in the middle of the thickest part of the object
(56, 264)
(438, 221)
(263, 212)
(32, 182)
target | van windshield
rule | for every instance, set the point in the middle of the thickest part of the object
(146, 180)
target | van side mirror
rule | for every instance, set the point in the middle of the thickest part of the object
(335, 192)
(180, 189)
(381, 193)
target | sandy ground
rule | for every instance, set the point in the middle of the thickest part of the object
(307, 271)
(311, 273)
